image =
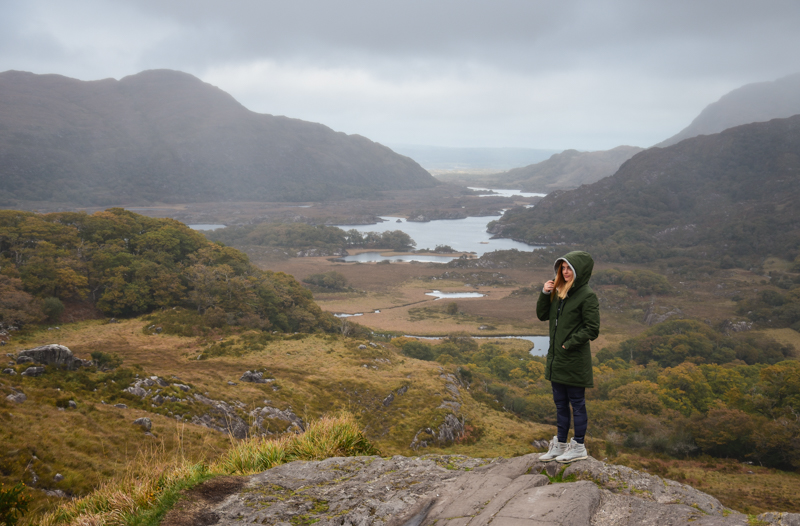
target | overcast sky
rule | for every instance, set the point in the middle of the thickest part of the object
(588, 74)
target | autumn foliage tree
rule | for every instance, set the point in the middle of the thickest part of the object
(128, 264)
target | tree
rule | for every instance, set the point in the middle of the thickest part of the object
(17, 307)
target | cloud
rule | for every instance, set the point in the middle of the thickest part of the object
(533, 73)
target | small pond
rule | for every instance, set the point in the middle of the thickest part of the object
(438, 294)
(373, 257)
(205, 227)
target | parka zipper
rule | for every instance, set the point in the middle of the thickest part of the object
(558, 314)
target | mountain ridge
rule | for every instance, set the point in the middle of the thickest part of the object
(166, 136)
(568, 169)
(756, 102)
(732, 191)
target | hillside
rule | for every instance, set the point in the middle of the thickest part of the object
(71, 265)
(165, 136)
(566, 170)
(730, 194)
(758, 102)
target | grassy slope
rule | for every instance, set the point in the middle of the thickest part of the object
(314, 375)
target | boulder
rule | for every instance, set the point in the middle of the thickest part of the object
(17, 398)
(72, 405)
(10, 371)
(52, 354)
(136, 391)
(24, 359)
(255, 377)
(145, 422)
(33, 371)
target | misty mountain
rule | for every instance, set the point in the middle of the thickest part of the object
(568, 169)
(731, 194)
(448, 158)
(757, 102)
(166, 136)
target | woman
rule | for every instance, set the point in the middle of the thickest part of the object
(574, 314)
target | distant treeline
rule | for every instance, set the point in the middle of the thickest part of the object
(302, 236)
(127, 264)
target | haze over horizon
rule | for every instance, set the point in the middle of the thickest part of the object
(514, 73)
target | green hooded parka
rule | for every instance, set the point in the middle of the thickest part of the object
(573, 322)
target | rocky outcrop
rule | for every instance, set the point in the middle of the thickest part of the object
(221, 417)
(256, 377)
(52, 354)
(453, 426)
(656, 314)
(279, 420)
(462, 491)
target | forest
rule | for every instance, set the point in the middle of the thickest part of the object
(124, 264)
(302, 236)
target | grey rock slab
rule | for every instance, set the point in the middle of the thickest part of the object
(556, 504)
(621, 479)
(625, 510)
(780, 518)
(466, 496)
(505, 504)
(459, 491)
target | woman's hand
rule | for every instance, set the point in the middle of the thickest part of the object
(549, 286)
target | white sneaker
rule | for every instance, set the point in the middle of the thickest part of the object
(556, 448)
(574, 452)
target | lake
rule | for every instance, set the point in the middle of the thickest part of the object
(464, 235)
(504, 192)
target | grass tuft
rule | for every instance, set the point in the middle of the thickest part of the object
(152, 484)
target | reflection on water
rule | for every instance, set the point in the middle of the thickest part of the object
(463, 235)
(205, 227)
(439, 294)
(503, 192)
(372, 257)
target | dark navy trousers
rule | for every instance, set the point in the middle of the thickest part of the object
(564, 396)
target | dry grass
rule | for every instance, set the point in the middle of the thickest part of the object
(314, 376)
(157, 474)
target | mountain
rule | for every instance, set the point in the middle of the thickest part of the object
(166, 136)
(568, 169)
(466, 159)
(757, 102)
(731, 194)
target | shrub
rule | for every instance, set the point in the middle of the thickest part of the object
(106, 361)
(13, 503)
(418, 350)
(329, 280)
(52, 308)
